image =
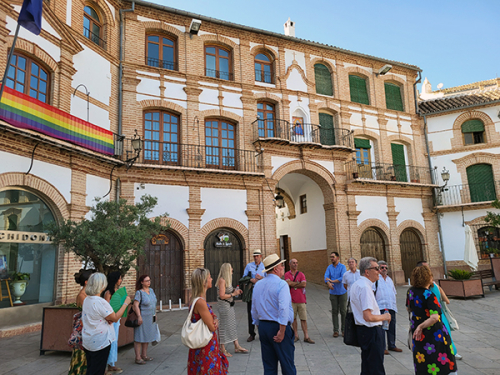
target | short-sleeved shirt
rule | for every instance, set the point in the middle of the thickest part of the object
(336, 273)
(386, 294)
(362, 298)
(253, 269)
(350, 278)
(298, 294)
(97, 333)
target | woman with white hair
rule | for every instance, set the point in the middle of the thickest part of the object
(225, 297)
(97, 318)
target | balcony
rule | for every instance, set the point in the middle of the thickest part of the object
(94, 37)
(185, 156)
(163, 64)
(225, 75)
(467, 194)
(388, 172)
(283, 132)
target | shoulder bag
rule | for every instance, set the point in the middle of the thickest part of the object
(195, 335)
(350, 334)
(132, 318)
(451, 319)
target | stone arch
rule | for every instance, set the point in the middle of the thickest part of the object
(225, 222)
(221, 113)
(261, 48)
(376, 223)
(34, 50)
(477, 158)
(400, 138)
(162, 104)
(295, 65)
(328, 64)
(51, 196)
(355, 70)
(489, 129)
(178, 228)
(319, 174)
(272, 98)
(419, 230)
(416, 226)
(104, 10)
(389, 77)
(219, 40)
(156, 26)
(289, 203)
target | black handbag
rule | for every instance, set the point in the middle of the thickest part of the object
(350, 331)
(132, 320)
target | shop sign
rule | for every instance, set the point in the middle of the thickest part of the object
(223, 240)
(160, 239)
(24, 237)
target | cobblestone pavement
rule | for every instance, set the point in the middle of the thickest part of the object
(478, 341)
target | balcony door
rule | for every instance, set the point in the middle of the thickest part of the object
(220, 144)
(481, 183)
(326, 132)
(399, 162)
(161, 138)
(266, 115)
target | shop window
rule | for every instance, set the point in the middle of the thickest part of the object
(220, 144)
(93, 26)
(358, 89)
(473, 131)
(29, 77)
(161, 52)
(161, 137)
(323, 79)
(303, 204)
(393, 97)
(25, 248)
(218, 63)
(263, 68)
(481, 183)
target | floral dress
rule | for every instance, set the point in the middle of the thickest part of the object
(433, 354)
(208, 360)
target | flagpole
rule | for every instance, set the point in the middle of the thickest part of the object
(11, 52)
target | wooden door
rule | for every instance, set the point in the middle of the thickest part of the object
(411, 251)
(372, 244)
(163, 262)
(223, 246)
(285, 251)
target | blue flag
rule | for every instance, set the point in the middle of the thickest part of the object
(30, 16)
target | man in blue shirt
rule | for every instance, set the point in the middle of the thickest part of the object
(338, 294)
(255, 270)
(272, 312)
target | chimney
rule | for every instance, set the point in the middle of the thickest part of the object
(289, 28)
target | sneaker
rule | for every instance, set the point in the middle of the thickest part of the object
(458, 356)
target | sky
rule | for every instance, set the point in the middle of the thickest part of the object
(454, 42)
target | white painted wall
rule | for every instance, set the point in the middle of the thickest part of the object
(409, 209)
(328, 165)
(230, 203)
(94, 71)
(173, 200)
(96, 187)
(97, 115)
(291, 55)
(59, 177)
(209, 96)
(295, 81)
(278, 161)
(176, 91)
(372, 208)
(148, 86)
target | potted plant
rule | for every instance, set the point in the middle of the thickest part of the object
(461, 284)
(19, 283)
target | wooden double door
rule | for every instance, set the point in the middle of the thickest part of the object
(163, 262)
(223, 246)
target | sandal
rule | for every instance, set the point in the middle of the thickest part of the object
(115, 370)
(140, 362)
(227, 354)
(146, 358)
(240, 349)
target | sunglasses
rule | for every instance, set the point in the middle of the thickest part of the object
(383, 267)
(374, 268)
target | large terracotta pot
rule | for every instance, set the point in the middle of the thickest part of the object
(462, 288)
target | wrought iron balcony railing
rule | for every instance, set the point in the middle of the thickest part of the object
(194, 156)
(228, 76)
(388, 172)
(262, 76)
(282, 130)
(164, 64)
(456, 195)
(94, 37)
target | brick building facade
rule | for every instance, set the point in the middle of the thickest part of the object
(230, 116)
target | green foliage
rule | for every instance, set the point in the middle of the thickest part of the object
(113, 238)
(460, 274)
(20, 276)
(493, 218)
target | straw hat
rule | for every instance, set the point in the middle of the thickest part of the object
(272, 261)
(257, 252)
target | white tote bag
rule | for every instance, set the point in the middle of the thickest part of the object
(195, 335)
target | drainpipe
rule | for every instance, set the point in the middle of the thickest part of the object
(120, 72)
(429, 161)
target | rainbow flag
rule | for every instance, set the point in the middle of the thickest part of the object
(25, 112)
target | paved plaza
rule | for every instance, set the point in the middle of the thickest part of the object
(478, 341)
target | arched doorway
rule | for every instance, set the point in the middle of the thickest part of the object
(372, 244)
(223, 246)
(411, 250)
(162, 261)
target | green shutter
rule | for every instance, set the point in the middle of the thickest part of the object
(323, 80)
(481, 183)
(361, 143)
(472, 126)
(393, 98)
(359, 92)
(327, 131)
(399, 162)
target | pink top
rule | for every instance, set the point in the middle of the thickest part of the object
(298, 294)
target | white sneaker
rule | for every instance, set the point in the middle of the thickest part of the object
(458, 356)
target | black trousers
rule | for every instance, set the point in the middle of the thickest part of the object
(96, 361)
(371, 341)
(251, 326)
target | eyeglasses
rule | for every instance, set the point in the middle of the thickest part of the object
(374, 268)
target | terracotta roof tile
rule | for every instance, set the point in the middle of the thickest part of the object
(465, 99)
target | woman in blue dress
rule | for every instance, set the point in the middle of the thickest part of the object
(145, 308)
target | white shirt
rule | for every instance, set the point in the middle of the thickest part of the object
(386, 294)
(350, 278)
(97, 333)
(362, 298)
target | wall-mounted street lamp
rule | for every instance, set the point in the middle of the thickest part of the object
(445, 176)
(137, 146)
(194, 27)
(383, 70)
(87, 93)
(280, 201)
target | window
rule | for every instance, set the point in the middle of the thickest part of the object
(220, 144)
(327, 131)
(399, 162)
(323, 80)
(263, 68)
(218, 63)
(393, 99)
(359, 91)
(481, 183)
(363, 158)
(266, 123)
(161, 137)
(27, 76)
(303, 204)
(473, 131)
(161, 52)
(92, 26)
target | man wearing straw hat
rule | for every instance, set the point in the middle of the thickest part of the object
(272, 312)
(255, 270)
